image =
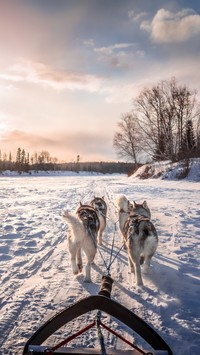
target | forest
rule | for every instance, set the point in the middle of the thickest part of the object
(23, 162)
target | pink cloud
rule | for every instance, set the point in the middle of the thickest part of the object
(39, 73)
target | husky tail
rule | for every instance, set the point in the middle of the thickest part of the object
(69, 217)
(74, 222)
(122, 203)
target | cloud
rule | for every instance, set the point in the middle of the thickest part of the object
(119, 55)
(62, 145)
(89, 42)
(112, 48)
(168, 27)
(135, 17)
(24, 138)
(39, 73)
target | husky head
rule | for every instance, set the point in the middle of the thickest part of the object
(99, 204)
(140, 209)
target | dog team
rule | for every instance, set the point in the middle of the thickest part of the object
(88, 222)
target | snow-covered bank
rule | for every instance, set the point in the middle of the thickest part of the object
(35, 272)
(185, 170)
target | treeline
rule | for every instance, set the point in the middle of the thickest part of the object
(23, 162)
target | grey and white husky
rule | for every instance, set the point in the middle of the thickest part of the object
(83, 230)
(99, 204)
(139, 233)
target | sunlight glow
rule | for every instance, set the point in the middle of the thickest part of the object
(3, 125)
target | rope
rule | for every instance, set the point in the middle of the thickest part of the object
(116, 255)
(111, 253)
(99, 332)
(112, 259)
(108, 266)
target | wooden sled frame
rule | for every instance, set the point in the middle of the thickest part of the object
(103, 303)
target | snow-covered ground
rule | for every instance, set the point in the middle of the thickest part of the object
(36, 280)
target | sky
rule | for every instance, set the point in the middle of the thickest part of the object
(69, 69)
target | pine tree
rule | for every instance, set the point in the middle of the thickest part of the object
(188, 143)
(26, 168)
(18, 160)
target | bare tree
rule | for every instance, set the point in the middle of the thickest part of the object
(126, 140)
(163, 113)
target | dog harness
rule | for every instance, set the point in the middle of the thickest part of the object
(134, 221)
(90, 220)
(89, 217)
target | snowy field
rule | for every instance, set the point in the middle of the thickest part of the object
(36, 280)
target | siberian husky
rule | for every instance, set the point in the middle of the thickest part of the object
(139, 235)
(99, 204)
(83, 230)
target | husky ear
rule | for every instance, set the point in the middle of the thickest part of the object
(135, 204)
(145, 204)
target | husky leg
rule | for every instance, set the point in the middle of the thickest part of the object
(90, 254)
(73, 249)
(150, 247)
(90, 259)
(79, 260)
(131, 265)
(138, 274)
(101, 229)
(134, 255)
(88, 271)
(100, 237)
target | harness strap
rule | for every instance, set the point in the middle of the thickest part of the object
(135, 221)
(100, 334)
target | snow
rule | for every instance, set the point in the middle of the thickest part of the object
(187, 169)
(36, 280)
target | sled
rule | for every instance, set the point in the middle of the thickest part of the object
(102, 303)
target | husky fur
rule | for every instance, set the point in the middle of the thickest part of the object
(139, 235)
(83, 230)
(99, 204)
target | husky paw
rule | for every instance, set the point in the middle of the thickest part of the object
(65, 213)
(87, 280)
(139, 285)
(132, 270)
(80, 267)
(76, 270)
(146, 269)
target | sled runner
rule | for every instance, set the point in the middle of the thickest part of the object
(102, 303)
